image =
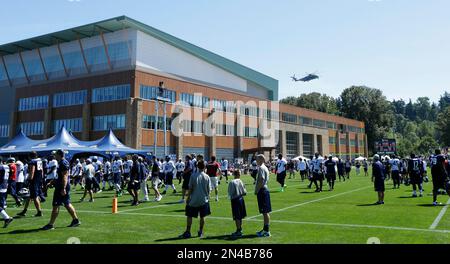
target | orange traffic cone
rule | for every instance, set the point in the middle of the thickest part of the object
(114, 205)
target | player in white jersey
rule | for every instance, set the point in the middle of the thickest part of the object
(281, 171)
(169, 172)
(4, 176)
(76, 173)
(117, 171)
(224, 169)
(302, 168)
(51, 175)
(107, 174)
(395, 171)
(317, 164)
(126, 171)
(20, 175)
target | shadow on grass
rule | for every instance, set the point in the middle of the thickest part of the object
(178, 211)
(172, 239)
(18, 232)
(367, 205)
(310, 192)
(229, 238)
(407, 197)
(431, 205)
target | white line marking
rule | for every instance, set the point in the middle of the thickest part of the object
(439, 217)
(312, 201)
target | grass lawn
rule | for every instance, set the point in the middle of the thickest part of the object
(345, 215)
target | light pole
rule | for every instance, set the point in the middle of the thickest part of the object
(160, 98)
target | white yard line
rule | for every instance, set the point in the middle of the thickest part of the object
(312, 201)
(175, 203)
(439, 217)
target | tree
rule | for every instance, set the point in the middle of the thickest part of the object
(314, 101)
(444, 101)
(370, 106)
(443, 126)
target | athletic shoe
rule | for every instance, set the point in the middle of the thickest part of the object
(421, 194)
(39, 214)
(99, 191)
(174, 191)
(200, 234)
(181, 201)
(217, 198)
(281, 189)
(414, 195)
(237, 234)
(146, 199)
(47, 227)
(91, 200)
(263, 233)
(75, 223)
(185, 235)
(163, 193)
(7, 222)
(81, 200)
(158, 199)
(22, 214)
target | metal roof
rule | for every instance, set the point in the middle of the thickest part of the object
(124, 22)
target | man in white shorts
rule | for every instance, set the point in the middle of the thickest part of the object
(213, 169)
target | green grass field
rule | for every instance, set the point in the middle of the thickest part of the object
(300, 216)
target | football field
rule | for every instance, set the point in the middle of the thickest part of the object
(344, 216)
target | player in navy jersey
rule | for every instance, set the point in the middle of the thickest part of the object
(188, 170)
(415, 170)
(378, 178)
(61, 196)
(330, 165)
(35, 181)
(439, 174)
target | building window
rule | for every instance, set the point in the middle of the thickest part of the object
(230, 107)
(251, 132)
(148, 122)
(220, 129)
(102, 123)
(306, 121)
(71, 98)
(230, 130)
(249, 110)
(320, 123)
(353, 143)
(343, 141)
(151, 92)
(33, 103)
(73, 125)
(308, 145)
(289, 118)
(331, 125)
(291, 144)
(219, 105)
(332, 140)
(187, 126)
(4, 131)
(33, 128)
(197, 127)
(111, 93)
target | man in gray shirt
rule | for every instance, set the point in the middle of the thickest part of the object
(263, 195)
(198, 199)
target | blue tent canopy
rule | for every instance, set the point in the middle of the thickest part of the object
(107, 146)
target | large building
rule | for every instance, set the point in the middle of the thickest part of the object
(106, 75)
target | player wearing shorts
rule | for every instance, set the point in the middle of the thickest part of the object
(330, 165)
(188, 170)
(438, 173)
(224, 169)
(180, 168)
(169, 168)
(213, 169)
(317, 163)
(155, 178)
(35, 177)
(378, 178)
(281, 171)
(88, 174)
(415, 168)
(4, 175)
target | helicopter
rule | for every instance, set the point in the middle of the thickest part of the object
(308, 78)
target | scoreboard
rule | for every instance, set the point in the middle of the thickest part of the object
(386, 146)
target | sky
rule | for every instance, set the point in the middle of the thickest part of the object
(399, 46)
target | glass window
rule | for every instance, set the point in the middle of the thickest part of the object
(32, 128)
(33, 103)
(331, 125)
(118, 51)
(250, 132)
(332, 140)
(343, 141)
(352, 142)
(320, 123)
(101, 123)
(197, 127)
(187, 126)
(219, 105)
(220, 129)
(291, 144)
(111, 93)
(151, 92)
(4, 131)
(73, 125)
(290, 118)
(148, 122)
(306, 121)
(70, 98)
